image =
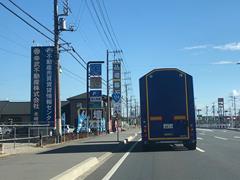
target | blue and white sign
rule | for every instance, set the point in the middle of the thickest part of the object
(95, 69)
(95, 95)
(116, 96)
(42, 85)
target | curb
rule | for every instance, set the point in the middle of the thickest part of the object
(4, 155)
(130, 138)
(77, 170)
(81, 168)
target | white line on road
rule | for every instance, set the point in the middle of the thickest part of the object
(198, 149)
(237, 137)
(209, 130)
(199, 138)
(217, 137)
(118, 164)
(202, 134)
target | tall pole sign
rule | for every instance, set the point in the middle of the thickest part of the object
(42, 85)
(94, 76)
(116, 96)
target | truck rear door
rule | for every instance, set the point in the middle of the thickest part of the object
(167, 105)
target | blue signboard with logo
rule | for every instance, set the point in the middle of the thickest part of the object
(42, 85)
(95, 69)
(95, 95)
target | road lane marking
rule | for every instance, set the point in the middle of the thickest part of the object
(202, 134)
(199, 149)
(208, 130)
(217, 137)
(118, 164)
(199, 138)
(237, 137)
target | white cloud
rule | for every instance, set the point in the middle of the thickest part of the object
(236, 92)
(196, 47)
(224, 62)
(234, 46)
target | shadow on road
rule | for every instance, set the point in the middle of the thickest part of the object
(114, 147)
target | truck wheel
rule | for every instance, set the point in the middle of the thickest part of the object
(190, 146)
(145, 147)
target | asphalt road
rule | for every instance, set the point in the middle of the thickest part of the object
(54, 161)
(216, 158)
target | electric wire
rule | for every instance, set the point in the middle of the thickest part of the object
(26, 22)
(101, 24)
(106, 24)
(95, 23)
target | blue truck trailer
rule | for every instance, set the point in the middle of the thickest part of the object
(167, 108)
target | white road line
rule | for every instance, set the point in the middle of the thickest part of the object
(237, 137)
(217, 137)
(209, 130)
(198, 149)
(118, 164)
(202, 134)
(199, 138)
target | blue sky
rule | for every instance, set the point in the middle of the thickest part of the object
(199, 37)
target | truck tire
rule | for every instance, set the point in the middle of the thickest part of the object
(190, 146)
(145, 147)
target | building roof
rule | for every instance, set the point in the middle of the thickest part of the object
(18, 108)
(80, 96)
(8, 107)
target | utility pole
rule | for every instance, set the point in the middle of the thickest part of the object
(213, 111)
(135, 110)
(108, 99)
(207, 115)
(126, 94)
(57, 83)
(59, 25)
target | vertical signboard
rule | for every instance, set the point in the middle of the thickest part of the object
(116, 96)
(95, 95)
(221, 109)
(42, 85)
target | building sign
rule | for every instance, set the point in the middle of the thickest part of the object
(95, 69)
(116, 96)
(42, 85)
(95, 82)
(95, 96)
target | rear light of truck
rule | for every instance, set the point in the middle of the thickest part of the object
(145, 131)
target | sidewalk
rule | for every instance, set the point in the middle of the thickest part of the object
(54, 160)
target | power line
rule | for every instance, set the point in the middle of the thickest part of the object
(101, 24)
(106, 12)
(15, 14)
(42, 32)
(74, 74)
(13, 53)
(35, 20)
(105, 22)
(12, 41)
(95, 23)
(79, 14)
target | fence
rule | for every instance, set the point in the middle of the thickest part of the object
(32, 134)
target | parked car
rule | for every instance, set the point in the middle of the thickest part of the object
(67, 129)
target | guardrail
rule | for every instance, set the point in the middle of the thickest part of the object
(24, 133)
